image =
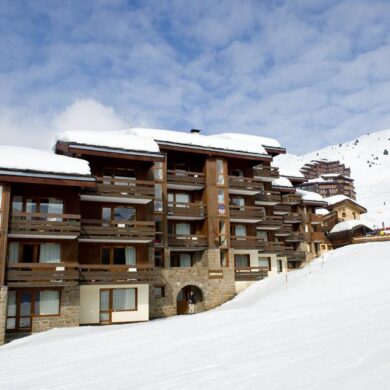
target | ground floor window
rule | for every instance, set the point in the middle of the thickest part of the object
(23, 305)
(264, 262)
(116, 300)
(280, 266)
(241, 261)
(159, 291)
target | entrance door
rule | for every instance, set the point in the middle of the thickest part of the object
(182, 300)
(19, 317)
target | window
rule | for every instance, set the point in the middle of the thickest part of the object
(344, 214)
(38, 205)
(180, 198)
(239, 230)
(264, 262)
(118, 214)
(158, 171)
(19, 252)
(181, 260)
(222, 233)
(159, 257)
(221, 202)
(354, 215)
(182, 228)
(159, 228)
(125, 255)
(116, 300)
(47, 302)
(158, 198)
(262, 235)
(241, 261)
(220, 173)
(119, 176)
(280, 265)
(238, 201)
(159, 291)
(224, 258)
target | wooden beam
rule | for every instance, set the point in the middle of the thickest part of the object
(4, 219)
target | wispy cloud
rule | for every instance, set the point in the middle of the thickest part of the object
(317, 71)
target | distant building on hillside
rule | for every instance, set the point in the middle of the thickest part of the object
(317, 168)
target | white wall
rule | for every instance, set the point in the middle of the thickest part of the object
(90, 304)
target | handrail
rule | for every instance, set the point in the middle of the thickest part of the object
(19, 214)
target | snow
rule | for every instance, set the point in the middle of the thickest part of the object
(109, 139)
(199, 140)
(326, 327)
(331, 200)
(321, 211)
(290, 172)
(316, 180)
(28, 159)
(282, 182)
(251, 139)
(370, 169)
(310, 195)
(348, 225)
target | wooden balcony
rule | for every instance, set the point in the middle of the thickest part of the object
(267, 198)
(266, 173)
(246, 242)
(270, 222)
(295, 255)
(317, 236)
(246, 214)
(40, 225)
(183, 242)
(274, 247)
(314, 219)
(248, 274)
(102, 274)
(284, 231)
(293, 218)
(185, 180)
(186, 211)
(241, 185)
(120, 190)
(282, 209)
(118, 231)
(42, 274)
(291, 199)
(295, 237)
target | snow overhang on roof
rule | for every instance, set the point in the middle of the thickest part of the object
(311, 197)
(201, 142)
(282, 182)
(348, 225)
(337, 199)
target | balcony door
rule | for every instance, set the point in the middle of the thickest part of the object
(19, 314)
(118, 215)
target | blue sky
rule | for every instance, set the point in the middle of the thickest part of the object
(310, 73)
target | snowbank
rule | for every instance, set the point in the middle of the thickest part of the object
(27, 159)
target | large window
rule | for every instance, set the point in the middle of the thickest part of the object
(158, 197)
(117, 300)
(38, 205)
(181, 260)
(239, 230)
(264, 262)
(241, 261)
(125, 255)
(180, 198)
(220, 172)
(23, 252)
(118, 214)
(119, 176)
(179, 229)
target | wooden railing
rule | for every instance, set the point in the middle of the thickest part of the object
(268, 196)
(42, 274)
(284, 231)
(192, 241)
(292, 218)
(317, 236)
(122, 188)
(101, 273)
(295, 237)
(282, 209)
(274, 247)
(271, 221)
(43, 224)
(117, 230)
(182, 209)
(266, 172)
(246, 242)
(313, 218)
(291, 199)
(295, 255)
(185, 177)
(253, 212)
(245, 183)
(250, 273)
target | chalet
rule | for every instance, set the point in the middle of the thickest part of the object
(118, 227)
(344, 232)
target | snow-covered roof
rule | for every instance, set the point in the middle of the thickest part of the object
(322, 211)
(316, 180)
(35, 160)
(332, 200)
(290, 173)
(252, 139)
(334, 175)
(110, 139)
(348, 225)
(310, 195)
(282, 182)
(199, 140)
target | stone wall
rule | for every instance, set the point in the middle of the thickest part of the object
(69, 314)
(3, 313)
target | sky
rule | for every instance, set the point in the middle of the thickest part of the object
(309, 73)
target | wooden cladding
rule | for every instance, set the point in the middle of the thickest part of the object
(44, 224)
(177, 176)
(293, 218)
(122, 188)
(250, 212)
(317, 236)
(295, 255)
(272, 172)
(271, 221)
(187, 241)
(245, 183)
(250, 273)
(182, 209)
(295, 237)
(117, 230)
(246, 242)
(291, 199)
(313, 219)
(268, 197)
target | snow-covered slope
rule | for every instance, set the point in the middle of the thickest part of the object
(369, 159)
(326, 327)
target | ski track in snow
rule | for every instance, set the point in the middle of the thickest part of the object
(327, 327)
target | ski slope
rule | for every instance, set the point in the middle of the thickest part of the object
(369, 159)
(327, 327)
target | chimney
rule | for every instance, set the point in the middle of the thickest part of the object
(195, 131)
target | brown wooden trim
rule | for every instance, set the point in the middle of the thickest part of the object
(5, 209)
(43, 180)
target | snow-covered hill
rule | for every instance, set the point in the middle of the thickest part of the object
(326, 327)
(369, 159)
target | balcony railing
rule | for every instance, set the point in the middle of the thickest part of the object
(268, 197)
(295, 237)
(284, 231)
(291, 199)
(317, 236)
(245, 183)
(250, 273)
(191, 210)
(185, 177)
(274, 247)
(270, 222)
(282, 209)
(266, 172)
(295, 255)
(41, 224)
(246, 242)
(314, 219)
(246, 212)
(187, 241)
(292, 218)
(122, 188)
(101, 273)
(42, 274)
(120, 231)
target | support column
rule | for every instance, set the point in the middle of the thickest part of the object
(3, 313)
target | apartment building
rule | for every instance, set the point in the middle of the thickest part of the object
(122, 227)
